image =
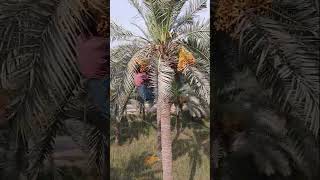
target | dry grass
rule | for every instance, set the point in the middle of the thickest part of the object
(127, 161)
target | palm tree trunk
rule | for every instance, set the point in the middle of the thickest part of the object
(166, 144)
(165, 79)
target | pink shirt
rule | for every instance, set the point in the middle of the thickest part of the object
(139, 79)
(92, 56)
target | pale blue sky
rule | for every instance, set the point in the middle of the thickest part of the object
(124, 14)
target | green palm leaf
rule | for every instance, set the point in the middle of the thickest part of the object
(199, 82)
(293, 64)
(49, 67)
(194, 7)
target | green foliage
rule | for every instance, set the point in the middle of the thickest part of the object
(267, 113)
(168, 23)
(282, 48)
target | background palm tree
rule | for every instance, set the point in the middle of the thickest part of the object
(267, 105)
(169, 27)
(37, 58)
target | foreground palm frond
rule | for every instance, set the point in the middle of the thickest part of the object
(99, 146)
(44, 148)
(283, 51)
(250, 128)
(41, 54)
(37, 58)
(294, 67)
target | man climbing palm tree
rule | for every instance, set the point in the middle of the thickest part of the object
(141, 81)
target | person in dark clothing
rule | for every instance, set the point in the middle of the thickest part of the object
(141, 81)
(94, 65)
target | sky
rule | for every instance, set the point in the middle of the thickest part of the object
(124, 14)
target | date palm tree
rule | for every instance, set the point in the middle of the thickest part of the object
(170, 26)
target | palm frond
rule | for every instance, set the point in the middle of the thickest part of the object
(307, 18)
(277, 151)
(78, 132)
(98, 149)
(194, 7)
(197, 108)
(200, 47)
(177, 7)
(198, 29)
(49, 68)
(217, 153)
(44, 148)
(159, 19)
(119, 33)
(290, 69)
(199, 82)
(139, 7)
(144, 32)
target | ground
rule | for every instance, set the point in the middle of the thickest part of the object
(128, 160)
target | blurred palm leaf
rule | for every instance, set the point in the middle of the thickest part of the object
(290, 68)
(37, 57)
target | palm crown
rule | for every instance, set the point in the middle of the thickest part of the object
(168, 29)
